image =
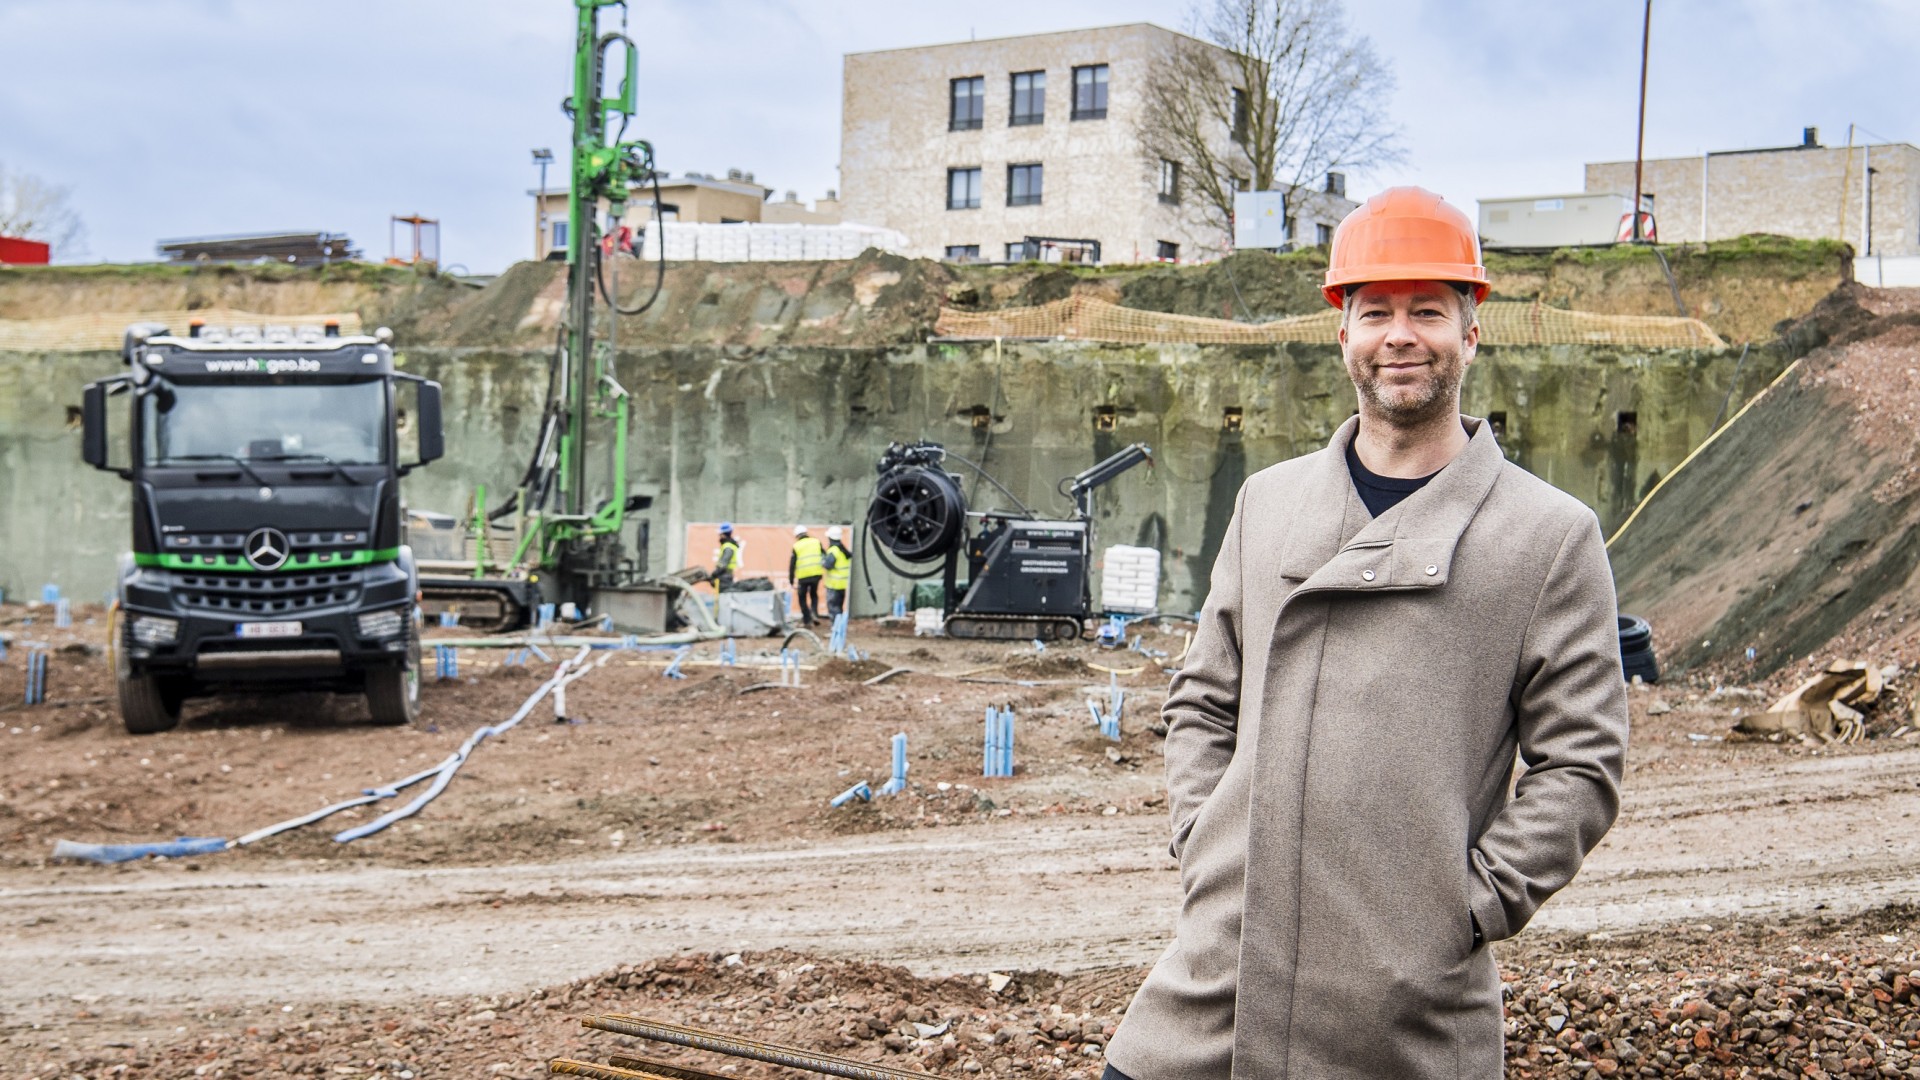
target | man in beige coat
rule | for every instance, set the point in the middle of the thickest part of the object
(1391, 620)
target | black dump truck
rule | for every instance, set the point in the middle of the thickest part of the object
(269, 550)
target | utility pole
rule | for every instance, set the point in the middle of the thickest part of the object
(542, 157)
(1640, 143)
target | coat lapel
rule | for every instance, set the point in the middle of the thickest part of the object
(1408, 547)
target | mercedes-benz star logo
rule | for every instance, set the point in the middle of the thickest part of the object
(266, 549)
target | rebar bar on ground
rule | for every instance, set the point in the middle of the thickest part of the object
(570, 1067)
(772, 1053)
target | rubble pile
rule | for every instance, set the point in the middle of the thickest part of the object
(1802, 997)
(1818, 1016)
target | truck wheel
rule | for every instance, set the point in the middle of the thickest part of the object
(393, 694)
(149, 703)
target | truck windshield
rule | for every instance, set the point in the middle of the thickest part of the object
(344, 423)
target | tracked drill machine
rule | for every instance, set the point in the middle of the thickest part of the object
(566, 523)
(1027, 576)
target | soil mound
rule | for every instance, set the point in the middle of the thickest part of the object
(1793, 535)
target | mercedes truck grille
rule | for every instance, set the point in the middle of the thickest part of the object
(265, 594)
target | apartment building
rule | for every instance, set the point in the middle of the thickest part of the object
(693, 197)
(1866, 195)
(1012, 148)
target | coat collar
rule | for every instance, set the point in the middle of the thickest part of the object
(1334, 545)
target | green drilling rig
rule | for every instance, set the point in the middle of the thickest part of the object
(566, 523)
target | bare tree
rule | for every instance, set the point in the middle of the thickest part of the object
(32, 209)
(1279, 92)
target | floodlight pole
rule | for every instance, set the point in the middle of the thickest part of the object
(1640, 143)
(541, 157)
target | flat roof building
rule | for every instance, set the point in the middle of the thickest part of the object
(1865, 195)
(971, 148)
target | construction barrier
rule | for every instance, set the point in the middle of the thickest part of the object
(1502, 322)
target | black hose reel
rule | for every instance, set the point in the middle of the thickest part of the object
(918, 512)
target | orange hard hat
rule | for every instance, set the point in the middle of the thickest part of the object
(1404, 234)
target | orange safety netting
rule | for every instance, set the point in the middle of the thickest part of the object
(104, 331)
(1502, 322)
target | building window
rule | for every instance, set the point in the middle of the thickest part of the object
(963, 189)
(963, 252)
(559, 234)
(1090, 92)
(1323, 234)
(1017, 252)
(969, 104)
(1166, 251)
(1023, 185)
(1239, 115)
(1169, 181)
(1029, 98)
(1293, 228)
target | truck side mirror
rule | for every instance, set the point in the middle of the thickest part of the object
(432, 443)
(93, 425)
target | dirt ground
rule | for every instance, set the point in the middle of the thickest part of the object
(1747, 912)
(644, 761)
(1793, 538)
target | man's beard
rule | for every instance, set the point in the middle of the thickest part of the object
(1409, 404)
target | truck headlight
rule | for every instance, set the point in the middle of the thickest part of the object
(379, 624)
(154, 630)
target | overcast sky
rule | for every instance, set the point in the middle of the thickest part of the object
(174, 118)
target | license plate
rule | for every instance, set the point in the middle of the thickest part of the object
(267, 629)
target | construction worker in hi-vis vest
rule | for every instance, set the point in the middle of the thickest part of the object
(839, 563)
(726, 561)
(804, 568)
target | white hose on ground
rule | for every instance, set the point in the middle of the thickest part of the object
(444, 775)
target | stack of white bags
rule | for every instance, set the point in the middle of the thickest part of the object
(1130, 582)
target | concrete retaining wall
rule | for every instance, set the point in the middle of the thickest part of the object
(784, 435)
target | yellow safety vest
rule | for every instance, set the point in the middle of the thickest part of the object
(806, 558)
(840, 574)
(729, 559)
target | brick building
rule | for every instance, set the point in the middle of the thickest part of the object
(1866, 195)
(972, 147)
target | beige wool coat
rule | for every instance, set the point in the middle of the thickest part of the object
(1341, 744)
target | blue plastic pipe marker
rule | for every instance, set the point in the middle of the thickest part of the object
(446, 662)
(897, 783)
(36, 676)
(1108, 721)
(673, 666)
(63, 613)
(997, 754)
(858, 791)
(49, 593)
(728, 653)
(837, 641)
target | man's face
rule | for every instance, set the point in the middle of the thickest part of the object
(1406, 350)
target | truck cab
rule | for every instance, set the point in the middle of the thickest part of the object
(268, 545)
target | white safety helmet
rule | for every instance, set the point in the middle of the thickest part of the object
(799, 530)
(833, 532)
